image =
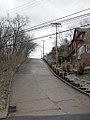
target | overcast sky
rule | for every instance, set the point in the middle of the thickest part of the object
(40, 11)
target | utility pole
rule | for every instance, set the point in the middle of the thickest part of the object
(56, 25)
(43, 48)
(41, 54)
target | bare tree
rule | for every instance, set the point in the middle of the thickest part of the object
(15, 45)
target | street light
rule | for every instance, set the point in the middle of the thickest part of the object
(54, 42)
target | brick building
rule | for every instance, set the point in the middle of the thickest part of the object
(79, 48)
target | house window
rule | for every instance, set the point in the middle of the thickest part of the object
(88, 48)
(81, 36)
(80, 52)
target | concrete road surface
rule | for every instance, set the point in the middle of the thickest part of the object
(37, 92)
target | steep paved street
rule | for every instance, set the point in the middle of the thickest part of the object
(37, 92)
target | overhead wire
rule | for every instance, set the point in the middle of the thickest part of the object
(62, 21)
(34, 5)
(84, 10)
(49, 35)
(55, 33)
(18, 7)
(27, 30)
(4, 12)
(45, 36)
(23, 6)
(42, 28)
(44, 23)
(75, 18)
(48, 23)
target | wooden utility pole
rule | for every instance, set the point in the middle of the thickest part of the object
(43, 48)
(56, 25)
(41, 54)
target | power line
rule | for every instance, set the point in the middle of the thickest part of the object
(58, 32)
(62, 21)
(48, 23)
(17, 7)
(54, 33)
(76, 17)
(28, 4)
(84, 10)
(49, 35)
(45, 36)
(34, 5)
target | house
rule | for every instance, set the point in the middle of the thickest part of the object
(79, 48)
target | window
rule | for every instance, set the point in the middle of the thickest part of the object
(81, 50)
(81, 36)
(88, 48)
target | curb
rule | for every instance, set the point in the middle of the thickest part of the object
(65, 80)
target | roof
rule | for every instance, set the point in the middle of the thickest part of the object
(85, 30)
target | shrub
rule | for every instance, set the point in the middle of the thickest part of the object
(81, 69)
(65, 66)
